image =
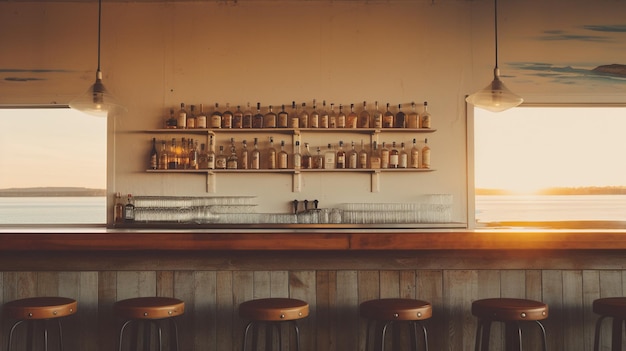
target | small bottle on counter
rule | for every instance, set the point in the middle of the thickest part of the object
(129, 209)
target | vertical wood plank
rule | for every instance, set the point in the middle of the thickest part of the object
(369, 286)
(591, 292)
(347, 310)
(262, 280)
(429, 287)
(513, 283)
(408, 284)
(302, 286)
(460, 287)
(183, 289)
(221, 326)
(573, 306)
(243, 290)
(326, 301)
(279, 284)
(389, 284)
(132, 284)
(553, 296)
(108, 325)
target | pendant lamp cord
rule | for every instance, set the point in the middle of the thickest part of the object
(495, 16)
(99, 25)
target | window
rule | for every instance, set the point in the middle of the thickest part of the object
(550, 166)
(53, 167)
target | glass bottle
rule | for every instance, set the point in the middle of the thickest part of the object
(375, 157)
(183, 156)
(425, 116)
(171, 121)
(220, 159)
(191, 117)
(282, 157)
(341, 156)
(233, 161)
(216, 117)
(377, 117)
(388, 118)
(353, 158)
(238, 118)
(384, 156)
(352, 118)
(314, 117)
(400, 120)
(201, 118)
(332, 117)
(303, 118)
(363, 156)
(129, 209)
(323, 116)
(403, 162)
(154, 156)
(118, 208)
(318, 159)
(247, 117)
(193, 154)
(297, 156)
(181, 117)
(269, 120)
(294, 119)
(394, 156)
(415, 155)
(255, 156)
(330, 158)
(203, 162)
(413, 118)
(243, 161)
(364, 117)
(307, 161)
(283, 118)
(271, 155)
(341, 118)
(211, 154)
(172, 158)
(425, 155)
(227, 118)
(257, 119)
(163, 161)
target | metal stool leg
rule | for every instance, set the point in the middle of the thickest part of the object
(543, 336)
(297, 330)
(596, 338)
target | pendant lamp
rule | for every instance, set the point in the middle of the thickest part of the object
(495, 97)
(97, 100)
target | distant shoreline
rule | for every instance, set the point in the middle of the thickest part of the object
(51, 192)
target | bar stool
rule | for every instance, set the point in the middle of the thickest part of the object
(383, 313)
(613, 307)
(272, 312)
(511, 312)
(39, 310)
(148, 312)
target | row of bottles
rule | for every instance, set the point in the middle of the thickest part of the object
(300, 117)
(187, 155)
(123, 212)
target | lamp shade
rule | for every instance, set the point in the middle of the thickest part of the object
(97, 100)
(495, 97)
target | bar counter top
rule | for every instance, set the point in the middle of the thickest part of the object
(86, 239)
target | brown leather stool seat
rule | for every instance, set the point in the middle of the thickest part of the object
(149, 312)
(383, 313)
(40, 310)
(610, 307)
(511, 312)
(272, 312)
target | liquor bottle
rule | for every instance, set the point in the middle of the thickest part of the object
(404, 157)
(227, 117)
(375, 157)
(283, 157)
(329, 158)
(238, 118)
(247, 118)
(191, 117)
(388, 118)
(364, 117)
(181, 117)
(232, 162)
(269, 120)
(297, 156)
(384, 156)
(377, 118)
(183, 156)
(163, 162)
(341, 118)
(352, 118)
(341, 156)
(283, 118)
(203, 162)
(400, 120)
(332, 117)
(172, 158)
(394, 156)
(303, 118)
(318, 159)
(412, 118)
(415, 155)
(353, 158)
(425, 155)
(118, 208)
(201, 118)
(255, 156)
(154, 155)
(171, 121)
(211, 154)
(129, 209)
(294, 120)
(220, 159)
(324, 116)
(193, 154)
(257, 119)
(307, 161)
(216, 117)
(314, 117)
(271, 155)
(425, 116)
(363, 156)
(243, 161)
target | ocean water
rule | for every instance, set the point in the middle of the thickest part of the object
(53, 210)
